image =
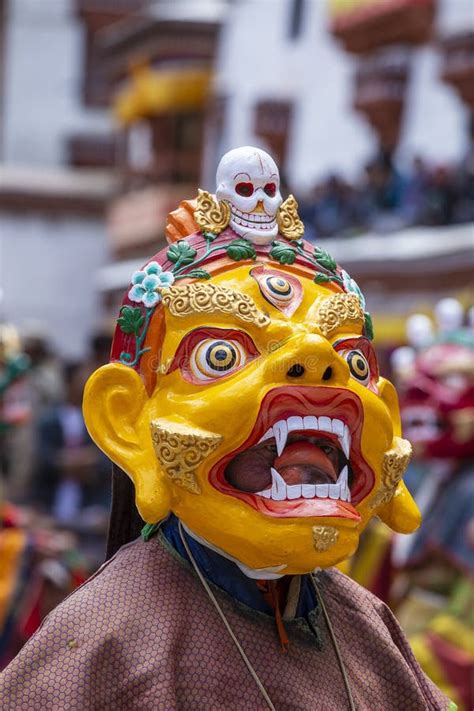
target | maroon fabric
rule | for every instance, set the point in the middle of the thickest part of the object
(142, 634)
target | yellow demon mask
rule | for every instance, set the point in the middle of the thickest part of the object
(243, 392)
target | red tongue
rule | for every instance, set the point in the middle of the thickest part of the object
(303, 454)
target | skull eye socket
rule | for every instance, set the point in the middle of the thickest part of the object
(244, 189)
(270, 189)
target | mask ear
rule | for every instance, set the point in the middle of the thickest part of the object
(389, 395)
(115, 413)
(401, 514)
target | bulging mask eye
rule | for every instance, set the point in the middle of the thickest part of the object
(244, 189)
(358, 366)
(280, 288)
(213, 358)
(207, 354)
(270, 189)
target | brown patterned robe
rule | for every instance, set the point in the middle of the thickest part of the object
(142, 634)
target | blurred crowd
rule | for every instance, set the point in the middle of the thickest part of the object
(49, 462)
(387, 198)
(54, 482)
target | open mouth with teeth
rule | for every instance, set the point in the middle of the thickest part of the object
(302, 457)
(254, 219)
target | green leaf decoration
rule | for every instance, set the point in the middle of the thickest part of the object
(282, 253)
(321, 278)
(240, 249)
(198, 274)
(324, 259)
(368, 326)
(130, 319)
(181, 253)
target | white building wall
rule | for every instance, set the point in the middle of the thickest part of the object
(42, 103)
(257, 60)
(47, 268)
(47, 264)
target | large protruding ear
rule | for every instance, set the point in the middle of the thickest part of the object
(401, 513)
(115, 413)
(389, 395)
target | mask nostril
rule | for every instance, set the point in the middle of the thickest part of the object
(296, 371)
(327, 375)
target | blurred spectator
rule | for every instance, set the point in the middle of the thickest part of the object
(45, 373)
(440, 198)
(42, 386)
(415, 192)
(100, 345)
(72, 474)
(385, 199)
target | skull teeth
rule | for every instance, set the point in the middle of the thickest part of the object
(253, 220)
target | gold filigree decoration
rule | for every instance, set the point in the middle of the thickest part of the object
(211, 215)
(181, 449)
(209, 298)
(336, 310)
(395, 462)
(324, 537)
(289, 223)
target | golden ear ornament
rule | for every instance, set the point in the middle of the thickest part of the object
(336, 310)
(181, 449)
(289, 223)
(395, 462)
(324, 537)
(211, 298)
(211, 215)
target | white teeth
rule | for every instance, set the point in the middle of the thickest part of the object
(343, 482)
(295, 423)
(322, 490)
(281, 433)
(308, 491)
(293, 491)
(346, 441)
(325, 424)
(279, 490)
(268, 434)
(278, 486)
(338, 427)
(310, 422)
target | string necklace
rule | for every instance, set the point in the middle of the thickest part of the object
(241, 650)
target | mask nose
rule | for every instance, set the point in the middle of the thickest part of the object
(298, 370)
(310, 360)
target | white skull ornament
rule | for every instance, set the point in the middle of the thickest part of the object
(248, 180)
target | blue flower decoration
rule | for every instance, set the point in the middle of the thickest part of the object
(146, 281)
(352, 287)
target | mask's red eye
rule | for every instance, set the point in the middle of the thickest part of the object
(270, 189)
(244, 189)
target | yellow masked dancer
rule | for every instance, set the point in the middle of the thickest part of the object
(244, 402)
